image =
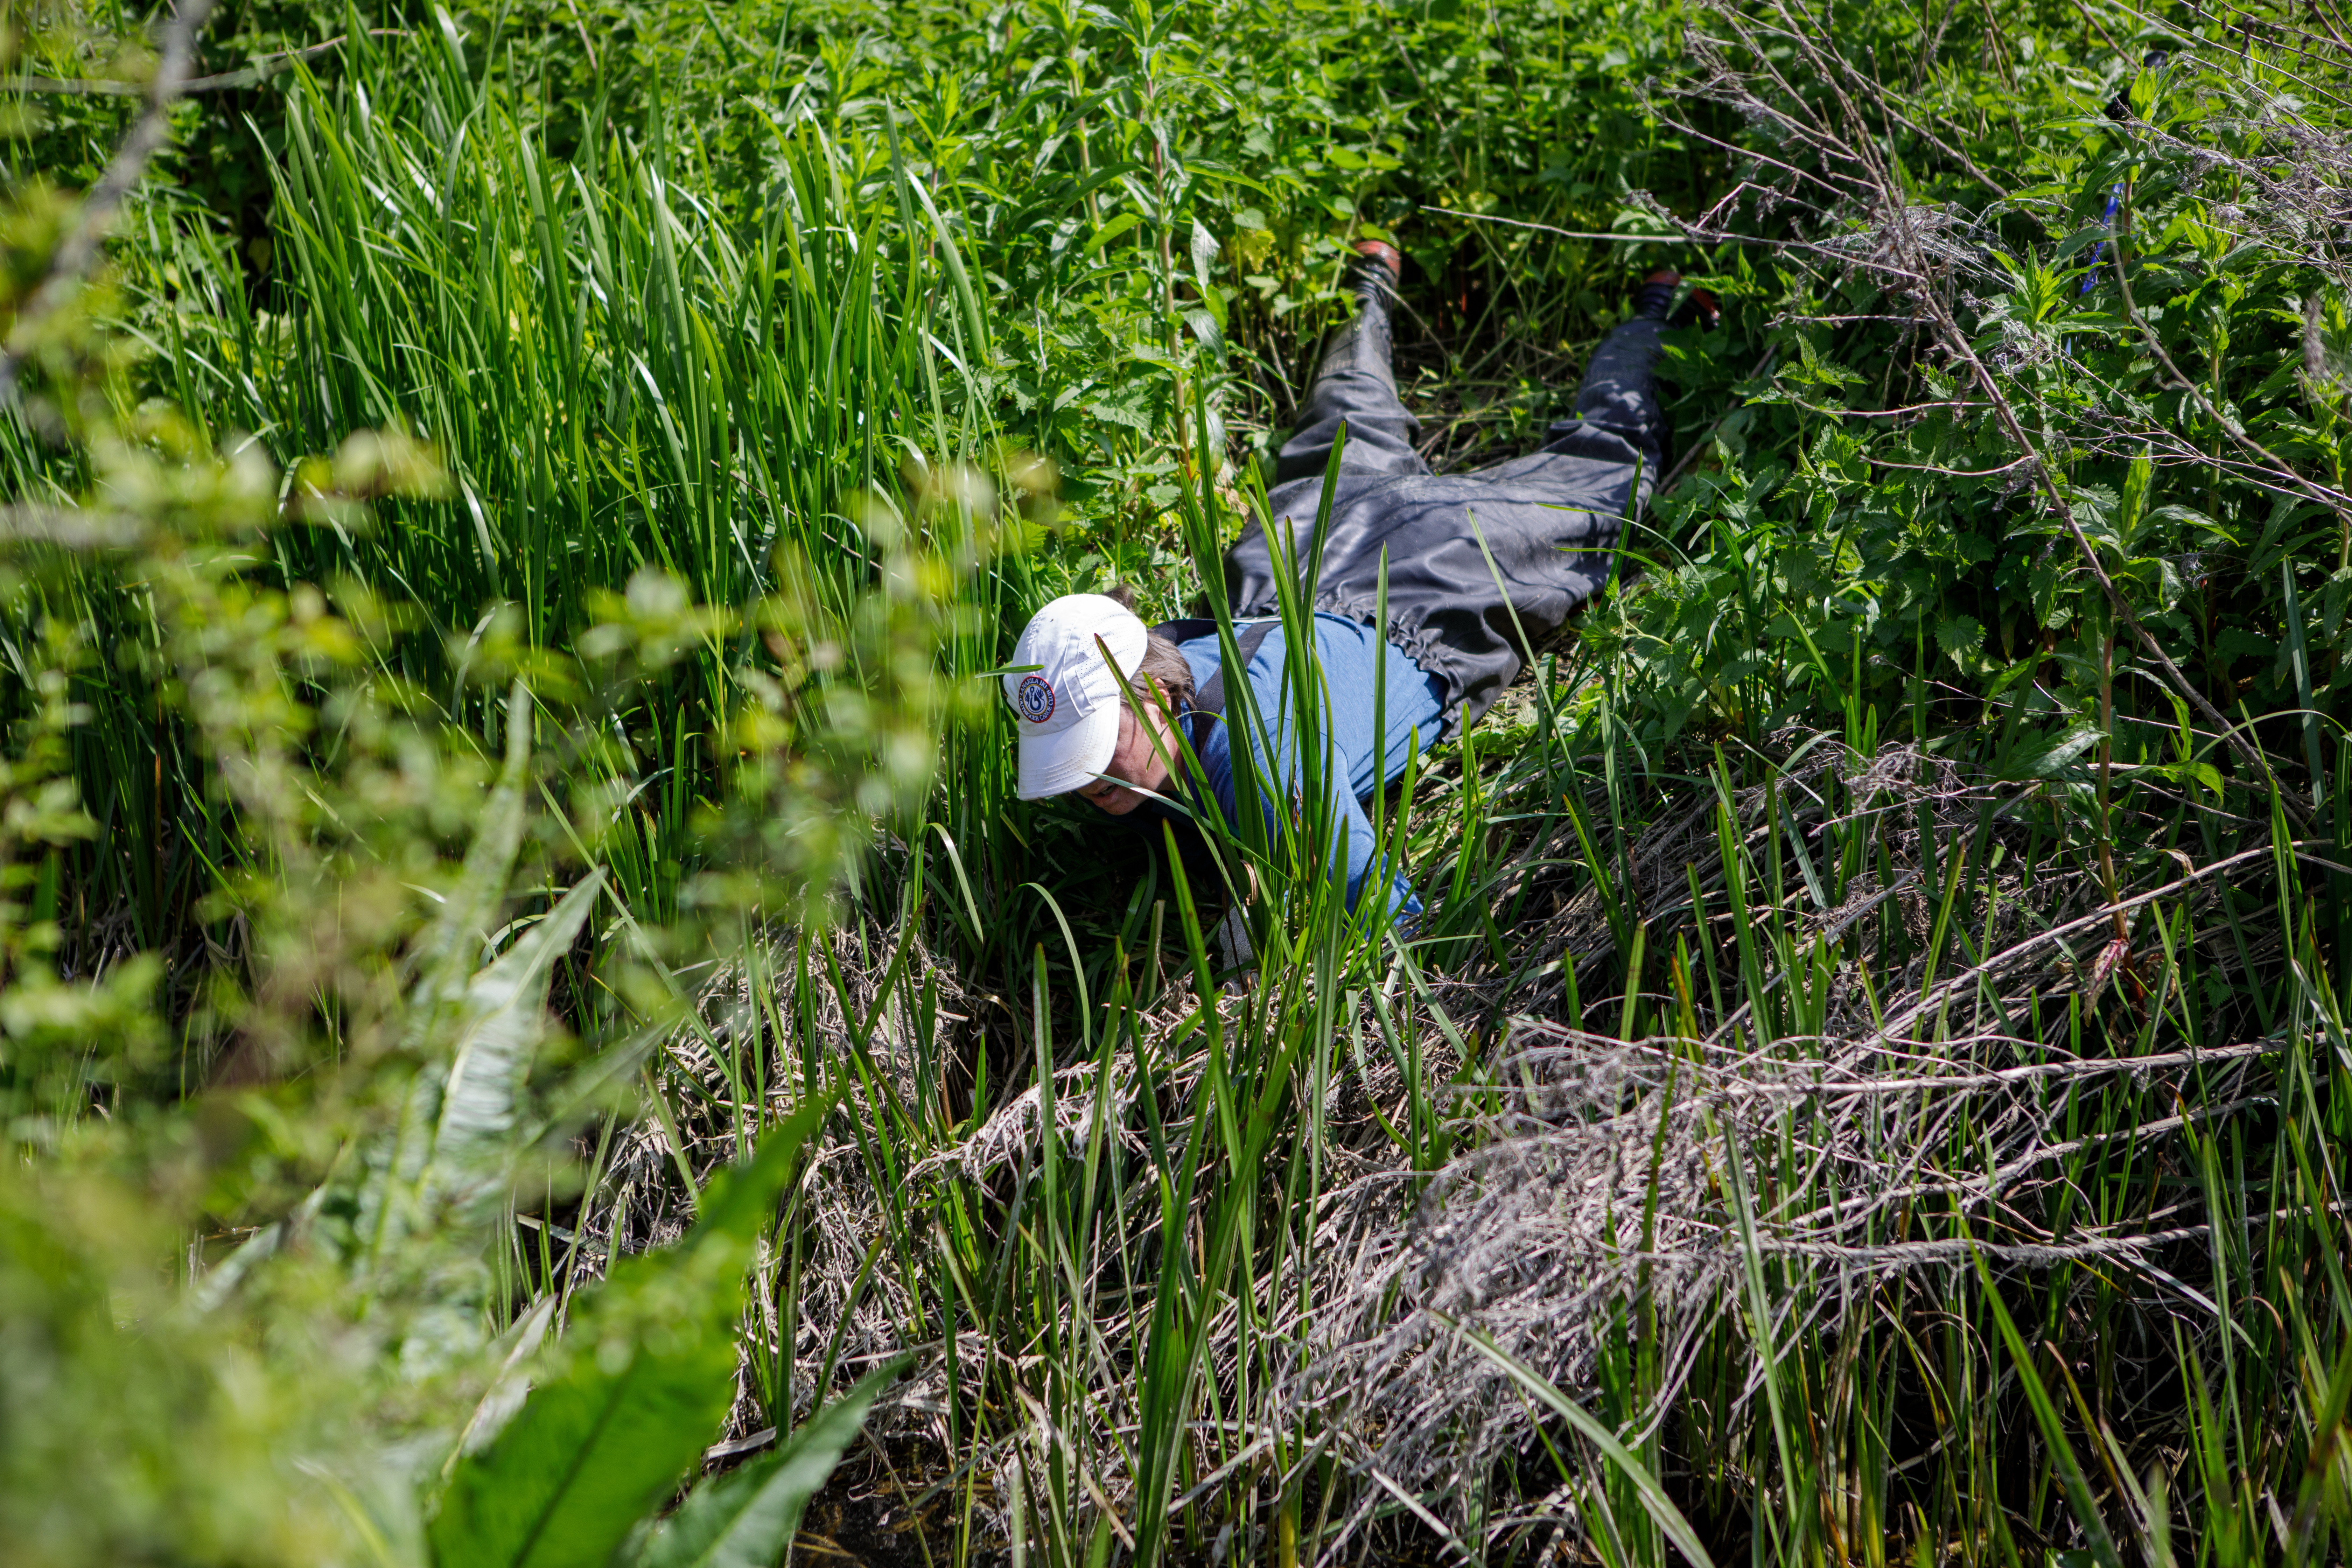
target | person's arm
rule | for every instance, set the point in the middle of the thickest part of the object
(1355, 856)
(1362, 853)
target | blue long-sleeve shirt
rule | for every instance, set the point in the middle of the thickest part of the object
(1358, 759)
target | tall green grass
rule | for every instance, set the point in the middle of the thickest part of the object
(629, 377)
(1888, 1258)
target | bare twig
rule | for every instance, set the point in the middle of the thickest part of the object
(1950, 473)
(78, 253)
(1895, 1024)
(260, 69)
(1880, 413)
(1691, 235)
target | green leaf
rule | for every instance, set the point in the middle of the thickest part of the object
(447, 1166)
(567, 1480)
(1960, 637)
(2100, 1545)
(502, 1020)
(1111, 231)
(1204, 255)
(746, 1518)
(1654, 1501)
(2044, 757)
(650, 1375)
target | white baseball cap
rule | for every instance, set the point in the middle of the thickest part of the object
(1066, 711)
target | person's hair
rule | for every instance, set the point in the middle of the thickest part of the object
(1161, 660)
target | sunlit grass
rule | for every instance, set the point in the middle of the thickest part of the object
(1736, 1162)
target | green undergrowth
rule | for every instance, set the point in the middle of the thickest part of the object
(502, 575)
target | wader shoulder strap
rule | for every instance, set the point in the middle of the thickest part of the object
(1209, 698)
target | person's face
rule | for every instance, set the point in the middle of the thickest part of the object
(1136, 762)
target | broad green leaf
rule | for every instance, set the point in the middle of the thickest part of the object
(503, 1020)
(746, 1518)
(505, 1396)
(475, 1030)
(1960, 637)
(448, 1165)
(1118, 225)
(2046, 756)
(588, 1456)
(1204, 256)
(649, 1375)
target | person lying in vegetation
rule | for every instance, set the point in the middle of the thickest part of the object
(1478, 567)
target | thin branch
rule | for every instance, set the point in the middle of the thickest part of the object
(1893, 1026)
(1951, 473)
(1691, 235)
(1883, 413)
(78, 253)
(261, 68)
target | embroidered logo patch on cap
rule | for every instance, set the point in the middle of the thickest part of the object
(1036, 699)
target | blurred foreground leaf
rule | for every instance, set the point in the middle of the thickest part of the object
(746, 1518)
(647, 1381)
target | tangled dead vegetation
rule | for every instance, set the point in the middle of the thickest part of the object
(1895, 1117)
(1834, 843)
(1885, 1112)
(1609, 1183)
